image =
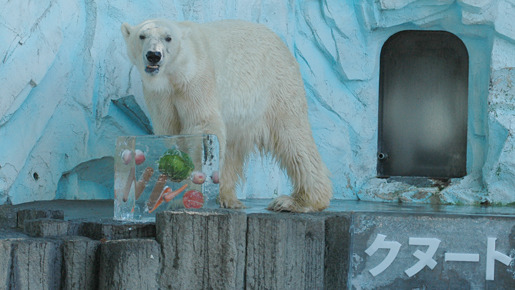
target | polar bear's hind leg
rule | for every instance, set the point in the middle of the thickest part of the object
(295, 149)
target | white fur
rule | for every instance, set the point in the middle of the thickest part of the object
(239, 81)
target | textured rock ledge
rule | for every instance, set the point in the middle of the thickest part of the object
(228, 249)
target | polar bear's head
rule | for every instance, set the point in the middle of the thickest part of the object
(152, 45)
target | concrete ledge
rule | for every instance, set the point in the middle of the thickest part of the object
(12, 234)
(8, 217)
(130, 264)
(337, 250)
(110, 229)
(202, 249)
(297, 251)
(80, 263)
(257, 249)
(285, 251)
(433, 251)
(32, 214)
(30, 264)
(48, 228)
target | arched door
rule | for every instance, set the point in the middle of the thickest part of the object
(423, 105)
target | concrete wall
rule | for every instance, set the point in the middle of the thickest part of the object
(63, 62)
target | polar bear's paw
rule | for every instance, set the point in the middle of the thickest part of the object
(233, 203)
(288, 203)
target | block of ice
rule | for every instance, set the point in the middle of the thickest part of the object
(155, 173)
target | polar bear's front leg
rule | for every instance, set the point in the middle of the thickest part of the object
(230, 164)
(232, 169)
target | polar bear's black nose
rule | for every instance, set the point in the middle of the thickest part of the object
(153, 56)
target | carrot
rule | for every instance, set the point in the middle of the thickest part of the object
(158, 203)
(160, 199)
(157, 191)
(167, 195)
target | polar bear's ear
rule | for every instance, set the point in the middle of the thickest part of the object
(126, 30)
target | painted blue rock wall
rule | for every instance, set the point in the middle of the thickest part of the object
(63, 63)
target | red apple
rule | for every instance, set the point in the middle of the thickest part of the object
(198, 177)
(139, 157)
(215, 177)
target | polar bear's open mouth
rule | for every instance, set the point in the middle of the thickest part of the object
(152, 69)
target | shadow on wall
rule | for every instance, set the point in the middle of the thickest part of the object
(88, 180)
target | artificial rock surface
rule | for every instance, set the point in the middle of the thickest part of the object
(64, 65)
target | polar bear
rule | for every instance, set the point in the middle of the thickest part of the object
(239, 81)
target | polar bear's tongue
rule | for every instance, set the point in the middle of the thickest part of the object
(152, 69)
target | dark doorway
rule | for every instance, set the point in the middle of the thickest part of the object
(423, 92)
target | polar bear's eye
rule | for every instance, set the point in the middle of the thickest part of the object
(142, 36)
(168, 39)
